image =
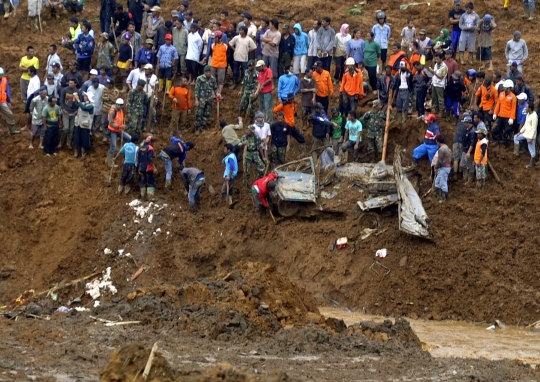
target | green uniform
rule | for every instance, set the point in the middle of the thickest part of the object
(249, 84)
(205, 90)
(374, 122)
(252, 156)
(135, 106)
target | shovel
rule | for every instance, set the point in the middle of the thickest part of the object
(405, 6)
(229, 197)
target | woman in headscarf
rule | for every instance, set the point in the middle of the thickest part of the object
(340, 51)
(485, 40)
(443, 42)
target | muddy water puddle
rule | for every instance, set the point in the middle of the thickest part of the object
(461, 339)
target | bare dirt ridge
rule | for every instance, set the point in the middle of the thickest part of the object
(59, 215)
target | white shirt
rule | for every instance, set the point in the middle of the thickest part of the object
(194, 47)
(440, 69)
(98, 100)
(51, 59)
(403, 84)
(134, 76)
(263, 132)
(150, 85)
(33, 86)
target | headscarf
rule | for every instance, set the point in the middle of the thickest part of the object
(445, 37)
(343, 30)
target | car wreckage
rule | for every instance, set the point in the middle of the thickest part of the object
(297, 191)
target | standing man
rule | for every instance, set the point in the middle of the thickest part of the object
(242, 46)
(352, 86)
(372, 53)
(438, 83)
(325, 87)
(53, 58)
(96, 93)
(206, 91)
(468, 144)
(481, 157)
(353, 137)
(84, 48)
(301, 43)
(130, 151)
(154, 21)
(106, 12)
(5, 103)
(516, 51)
(288, 108)
(454, 16)
(421, 82)
(429, 147)
(231, 169)
(193, 53)
(442, 169)
(308, 88)
(374, 120)
(280, 142)
(467, 40)
(322, 128)
(180, 37)
(193, 181)
(504, 114)
(106, 52)
(145, 55)
(286, 49)
(109, 96)
(528, 133)
(381, 35)
(137, 98)
(325, 43)
(385, 85)
(218, 64)
(26, 62)
(33, 90)
(136, 8)
(264, 89)
(262, 130)
(312, 44)
(270, 51)
(166, 61)
(404, 85)
(253, 155)
(288, 83)
(487, 96)
(36, 110)
(52, 117)
(116, 127)
(180, 96)
(248, 91)
(146, 168)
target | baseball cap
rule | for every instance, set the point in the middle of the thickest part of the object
(522, 96)
(119, 101)
(94, 72)
(110, 81)
(251, 62)
(207, 68)
(259, 64)
(155, 8)
(174, 13)
(402, 64)
(317, 64)
(168, 36)
(456, 75)
(105, 35)
(149, 41)
(148, 66)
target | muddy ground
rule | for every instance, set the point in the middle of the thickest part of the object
(60, 214)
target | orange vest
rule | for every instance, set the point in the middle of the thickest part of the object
(118, 120)
(3, 89)
(414, 57)
(219, 56)
(288, 110)
(394, 62)
(478, 152)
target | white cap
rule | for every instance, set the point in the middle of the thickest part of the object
(148, 66)
(508, 84)
(349, 61)
(259, 64)
(1, 71)
(94, 72)
(119, 101)
(522, 96)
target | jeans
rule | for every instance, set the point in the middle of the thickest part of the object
(324, 102)
(272, 63)
(326, 62)
(265, 105)
(168, 165)
(237, 66)
(531, 146)
(455, 40)
(402, 100)
(311, 60)
(194, 194)
(441, 181)
(350, 144)
(452, 106)
(105, 24)
(340, 67)
(421, 101)
(114, 135)
(421, 151)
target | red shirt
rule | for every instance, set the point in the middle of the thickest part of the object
(262, 77)
(262, 184)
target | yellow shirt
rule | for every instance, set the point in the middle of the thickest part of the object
(28, 62)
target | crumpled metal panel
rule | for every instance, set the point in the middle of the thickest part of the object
(378, 202)
(296, 187)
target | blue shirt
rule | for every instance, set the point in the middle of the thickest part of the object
(356, 50)
(382, 35)
(521, 113)
(231, 163)
(167, 54)
(84, 45)
(130, 152)
(288, 83)
(144, 56)
(354, 128)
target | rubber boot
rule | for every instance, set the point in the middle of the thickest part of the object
(83, 153)
(127, 188)
(525, 14)
(443, 197)
(61, 141)
(110, 161)
(69, 139)
(75, 152)
(471, 58)
(120, 188)
(167, 184)
(13, 130)
(532, 163)
(516, 150)
(531, 14)
(161, 83)
(169, 85)
(151, 192)
(438, 193)
(456, 169)
(404, 116)
(6, 15)
(152, 126)
(462, 58)
(143, 192)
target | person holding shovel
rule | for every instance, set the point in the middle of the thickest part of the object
(116, 128)
(231, 170)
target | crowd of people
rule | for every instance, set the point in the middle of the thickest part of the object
(148, 54)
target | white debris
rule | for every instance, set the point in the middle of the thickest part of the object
(168, 233)
(120, 252)
(136, 221)
(96, 303)
(158, 230)
(134, 203)
(80, 309)
(107, 251)
(150, 218)
(94, 288)
(128, 254)
(139, 234)
(381, 253)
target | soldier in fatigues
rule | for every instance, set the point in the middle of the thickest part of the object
(253, 155)
(137, 98)
(249, 86)
(205, 92)
(374, 121)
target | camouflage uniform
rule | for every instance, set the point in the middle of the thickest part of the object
(374, 122)
(135, 106)
(252, 156)
(249, 84)
(205, 89)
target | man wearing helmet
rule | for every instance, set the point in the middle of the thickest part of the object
(382, 33)
(352, 86)
(504, 114)
(429, 147)
(468, 144)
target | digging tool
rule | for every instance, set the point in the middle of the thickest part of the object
(229, 197)
(148, 366)
(218, 102)
(244, 162)
(405, 6)
(385, 140)
(112, 31)
(39, 17)
(272, 215)
(162, 107)
(114, 159)
(492, 169)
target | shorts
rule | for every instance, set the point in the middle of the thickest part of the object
(480, 171)
(467, 164)
(484, 54)
(457, 149)
(467, 40)
(220, 78)
(38, 129)
(84, 64)
(165, 73)
(123, 64)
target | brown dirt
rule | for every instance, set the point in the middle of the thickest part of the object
(60, 214)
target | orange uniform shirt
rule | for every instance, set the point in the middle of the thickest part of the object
(288, 110)
(325, 87)
(352, 85)
(488, 97)
(182, 95)
(506, 105)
